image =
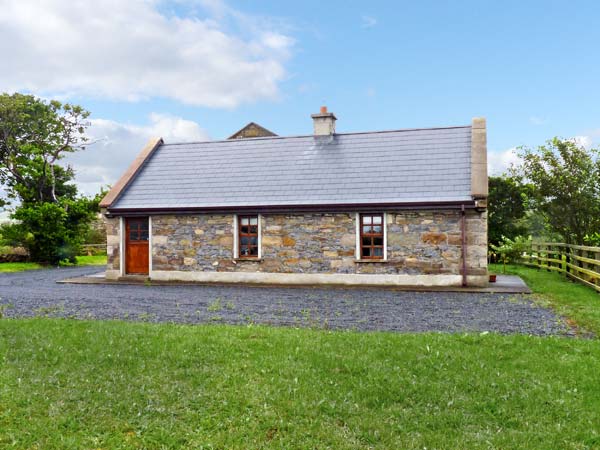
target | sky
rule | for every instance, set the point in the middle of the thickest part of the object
(191, 70)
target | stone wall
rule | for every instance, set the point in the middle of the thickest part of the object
(192, 242)
(476, 226)
(113, 267)
(423, 242)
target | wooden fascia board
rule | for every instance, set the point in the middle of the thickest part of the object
(291, 209)
(130, 173)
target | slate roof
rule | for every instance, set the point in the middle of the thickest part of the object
(402, 166)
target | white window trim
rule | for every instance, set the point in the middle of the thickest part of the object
(357, 249)
(149, 246)
(259, 236)
(122, 246)
(236, 237)
(385, 252)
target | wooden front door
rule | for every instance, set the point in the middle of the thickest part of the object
(136, 243)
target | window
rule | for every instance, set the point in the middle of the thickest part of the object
(248, 236)
(137, 229)
(371, 236)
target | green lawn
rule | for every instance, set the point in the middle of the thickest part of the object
(94, 260)
(73, 384)
(18, 267)
(78, 384)
(81, 261)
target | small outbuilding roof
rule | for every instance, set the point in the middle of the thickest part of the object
(410, 166)
(251, 130)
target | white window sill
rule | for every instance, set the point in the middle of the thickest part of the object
(360, 261)
(247, 259)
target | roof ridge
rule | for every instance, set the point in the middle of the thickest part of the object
(262, 138)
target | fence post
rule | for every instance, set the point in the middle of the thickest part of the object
(597, 269)
(590, 266)
(579, 263)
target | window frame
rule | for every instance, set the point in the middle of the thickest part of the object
(359, 237)
(237, 226)
(142, 228)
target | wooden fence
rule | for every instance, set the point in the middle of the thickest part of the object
(93, 249)
(578, 262)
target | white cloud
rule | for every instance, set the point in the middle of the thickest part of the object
(584, 141)
(132, 50)
(500, 161)
(535, 120)
(305, 88)
(117, 144)
(368, 22)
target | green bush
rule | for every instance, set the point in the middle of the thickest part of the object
(511, 250)
(592, 239)
(51, 232)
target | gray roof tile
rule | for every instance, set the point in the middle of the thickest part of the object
(403, 166)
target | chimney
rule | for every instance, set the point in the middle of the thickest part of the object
(324, 122)
(479, 176)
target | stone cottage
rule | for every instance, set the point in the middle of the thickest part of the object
(398, 207)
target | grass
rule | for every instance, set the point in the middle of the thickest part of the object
(74, 384)
(108, 384)
(81, 261)
(94, 260)
(18, 267)
(579, 303)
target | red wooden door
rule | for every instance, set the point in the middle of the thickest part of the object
(136, 243)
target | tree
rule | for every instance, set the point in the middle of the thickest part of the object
(34, 136)
(507, 202)
(566, 186)
(28, 192)
(51, 232)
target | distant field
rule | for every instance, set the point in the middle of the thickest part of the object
(81, 260)
(95, 260)
(18, 267)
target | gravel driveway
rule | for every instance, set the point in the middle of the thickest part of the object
(36, 293)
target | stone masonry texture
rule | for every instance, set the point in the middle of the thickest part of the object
(112, 243)
(418, 242)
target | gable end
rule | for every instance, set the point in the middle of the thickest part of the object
(118, 188)
(252, 130)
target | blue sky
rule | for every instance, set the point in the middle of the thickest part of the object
(531, 68)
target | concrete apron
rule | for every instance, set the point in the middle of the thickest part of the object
(504, 284)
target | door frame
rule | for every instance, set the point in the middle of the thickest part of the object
(123, 245)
